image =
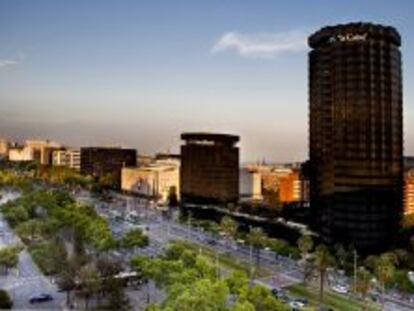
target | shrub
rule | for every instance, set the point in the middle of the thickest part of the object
(5, 300)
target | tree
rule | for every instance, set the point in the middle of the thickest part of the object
(5, 300)
(89, 283)
(237, 281)
(117, 298)
(402, 282)
(342, 255)
(134, 238)
(305, 245)
(229, 226)
(144, 268)
(243, 306)
(172, 197)
(107, 269)
(363, 284)
(323, 260)
(108, 181)
(9, 257)
(261, 298)
(67, 277)
(174, 251)
(383, 267)
(15, 215)
(256, 238)
(203, 295)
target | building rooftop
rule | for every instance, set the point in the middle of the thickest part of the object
(353, 32)
(210, 137)
(106, 148)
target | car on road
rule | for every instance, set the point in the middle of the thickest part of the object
(296, 305)
(340, 289)
(280, 294)
(40, 298)
(303, 301)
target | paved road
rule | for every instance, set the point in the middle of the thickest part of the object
(26, 279)
(161, 231)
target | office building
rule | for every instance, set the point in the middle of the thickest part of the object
(42, 150)
(209, 169)
(409, 192)
(250, 188)
(4, 147)
(408, 162)
(69, 158)
(21, 154)
(106, 161)
(356, 134)
(292, 188)
(156, 180)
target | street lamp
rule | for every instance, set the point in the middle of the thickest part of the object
(355, 270)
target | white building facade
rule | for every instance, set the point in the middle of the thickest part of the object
(69, 158)
(250, 185)
(153, 181)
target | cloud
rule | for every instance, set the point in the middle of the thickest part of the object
(12, 62)
(7, 62)
(265, 45)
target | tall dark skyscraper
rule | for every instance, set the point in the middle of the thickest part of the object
(209, 171)
(356, 134)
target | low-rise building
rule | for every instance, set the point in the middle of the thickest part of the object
(21, 154)
(250, 185)
(4, 147)
(42, 150)
(408, 162)
(285, 183)
(103, 162)
(156, 180)
(293, 187)
(289, 188)
(69, 158)
(409, 192)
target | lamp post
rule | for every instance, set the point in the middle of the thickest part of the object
(355, 270)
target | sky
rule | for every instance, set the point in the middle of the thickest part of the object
(139, 73)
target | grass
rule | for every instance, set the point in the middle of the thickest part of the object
(225, 260)
(331, 300)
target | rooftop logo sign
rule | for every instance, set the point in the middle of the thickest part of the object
(348, 37)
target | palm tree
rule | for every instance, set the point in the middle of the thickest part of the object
(342, 255)
(257, 239)
(323, 260)
(229, 226)
(363, 284)
(305, 245)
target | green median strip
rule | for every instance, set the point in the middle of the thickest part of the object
(331, 300)
(226, 261)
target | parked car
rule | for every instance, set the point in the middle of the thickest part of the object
(40, 298)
